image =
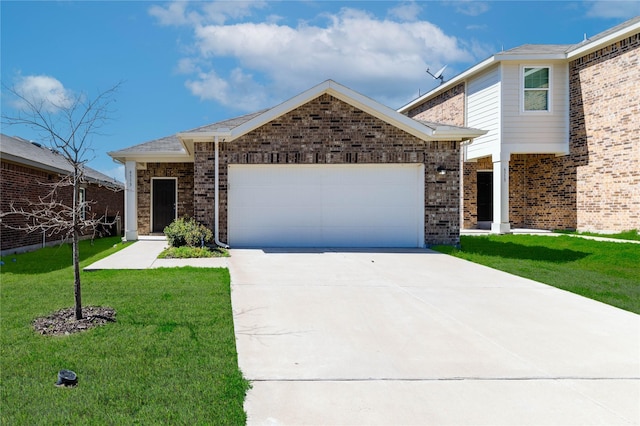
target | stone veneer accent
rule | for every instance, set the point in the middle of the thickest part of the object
(328, 131)
(185, 203)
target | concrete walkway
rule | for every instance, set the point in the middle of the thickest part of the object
(143, 254)
(414, 337)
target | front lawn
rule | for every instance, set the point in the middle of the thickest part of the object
(625, 235)
(604, 271)
(169, 358)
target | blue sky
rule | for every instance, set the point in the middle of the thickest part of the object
(187, 64)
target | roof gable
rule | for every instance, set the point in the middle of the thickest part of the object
(179, 147)
(330, 87)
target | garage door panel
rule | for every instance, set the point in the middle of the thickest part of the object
(370, 237)
(326, 205)
(290, 236)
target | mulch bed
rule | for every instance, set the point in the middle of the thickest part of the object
(63, 322)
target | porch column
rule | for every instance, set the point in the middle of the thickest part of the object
(130, 202)
(500, 224)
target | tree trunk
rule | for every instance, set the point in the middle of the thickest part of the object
(76, 275)
(76, 249)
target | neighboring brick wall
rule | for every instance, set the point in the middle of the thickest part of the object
(185, 204)
(105, 201)
(329, 131)
(446, 108)
(22, 184)
(605, 136)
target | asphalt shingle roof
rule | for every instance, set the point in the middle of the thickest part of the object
(172, 143)
(545, 49)
(37, 155)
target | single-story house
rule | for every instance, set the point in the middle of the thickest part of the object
(28, 170)
(327, 168)
(562, 148)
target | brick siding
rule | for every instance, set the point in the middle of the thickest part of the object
(21, 184)
(184, 204)
(605, 136)
(329, 131)
(446, 108)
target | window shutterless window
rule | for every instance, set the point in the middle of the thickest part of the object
(536, 88)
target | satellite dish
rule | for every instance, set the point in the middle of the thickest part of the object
(438, 75)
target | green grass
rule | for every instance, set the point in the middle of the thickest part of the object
(632, 235)
(186, 252)
(605, 271)
(170, 357)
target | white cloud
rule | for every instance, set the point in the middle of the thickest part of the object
(217, 12)
(43, 92)
(220, 12)
(187, 66)
(174, 14)
(406, 11)
(613, 9)
(384, 58)
(471, 7)
(238, 91)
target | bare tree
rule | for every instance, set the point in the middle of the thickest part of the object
(67, 124)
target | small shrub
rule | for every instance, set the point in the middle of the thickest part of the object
(187, 232)
(187, 252)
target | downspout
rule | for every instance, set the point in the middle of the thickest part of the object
(216, 234)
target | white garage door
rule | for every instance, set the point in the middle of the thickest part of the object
(326, 205)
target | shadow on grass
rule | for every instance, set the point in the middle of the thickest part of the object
(55, 258)
(511, 250)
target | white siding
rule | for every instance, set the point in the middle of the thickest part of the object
(545, 132)
(483, 112)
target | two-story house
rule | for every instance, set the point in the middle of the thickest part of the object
(562, 149)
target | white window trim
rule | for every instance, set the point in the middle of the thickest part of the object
(549, 90)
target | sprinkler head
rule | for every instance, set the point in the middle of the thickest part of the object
(67, 378)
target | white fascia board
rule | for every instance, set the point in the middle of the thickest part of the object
(222, 134)
(449, 83)
(153, 157)
(457, 134)
(531, 57)
(605, 41)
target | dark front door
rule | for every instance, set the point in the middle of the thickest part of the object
(485, 196)
(164, 203)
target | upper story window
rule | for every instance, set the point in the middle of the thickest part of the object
(536, 84)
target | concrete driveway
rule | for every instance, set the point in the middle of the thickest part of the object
(416, 337)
